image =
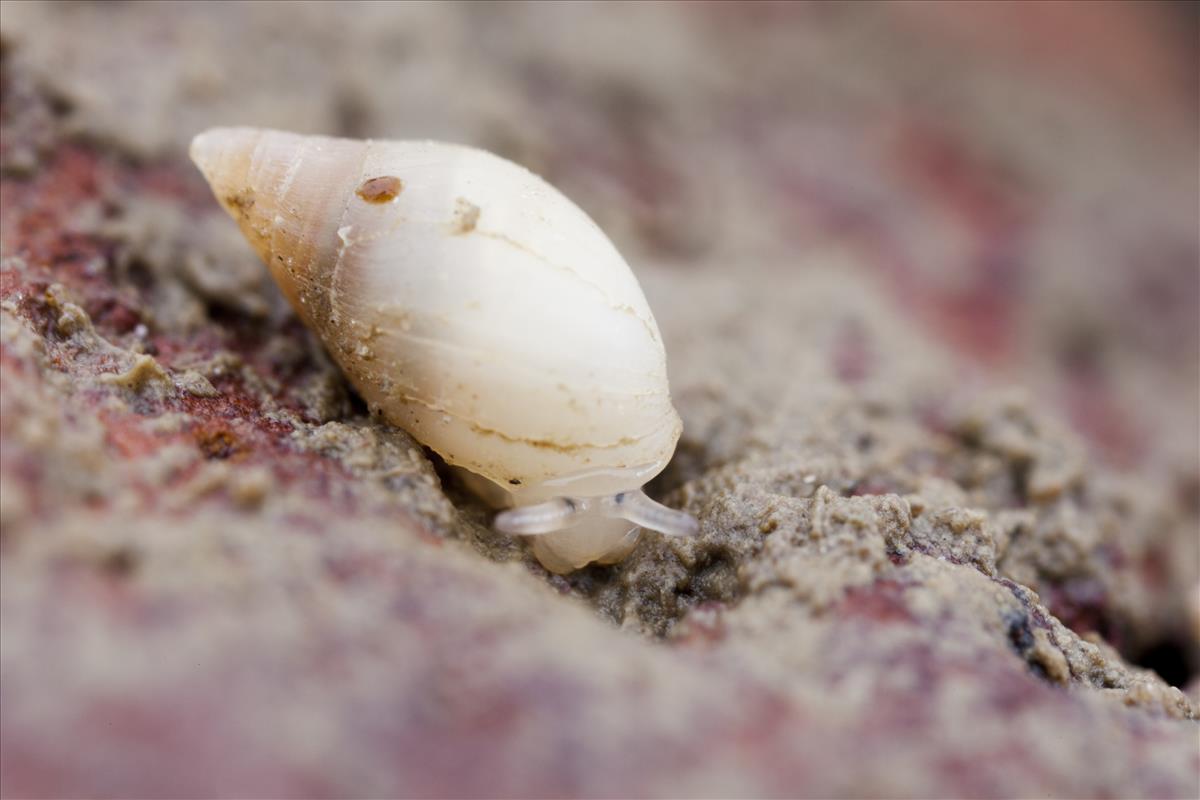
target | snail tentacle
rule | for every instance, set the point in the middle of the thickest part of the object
(639, 509)
(537, 520)
(563, 513)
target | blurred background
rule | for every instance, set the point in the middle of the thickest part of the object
(980, 217)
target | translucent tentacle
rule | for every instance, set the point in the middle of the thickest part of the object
(639, 509)
(562, 513)
(553, 515)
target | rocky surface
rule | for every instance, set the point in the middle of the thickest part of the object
(932, 326)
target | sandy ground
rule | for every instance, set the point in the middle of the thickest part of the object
(929, 288)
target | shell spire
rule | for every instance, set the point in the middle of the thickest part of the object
(271, 183)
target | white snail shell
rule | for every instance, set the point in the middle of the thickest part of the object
(472, 304)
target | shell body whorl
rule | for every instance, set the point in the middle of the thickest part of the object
(467, 300)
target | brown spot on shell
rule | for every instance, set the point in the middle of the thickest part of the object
(466, 216)
(240, 204)
(383, 189)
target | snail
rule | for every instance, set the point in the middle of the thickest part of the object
(473, 305)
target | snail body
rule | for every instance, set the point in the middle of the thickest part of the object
(473, 305)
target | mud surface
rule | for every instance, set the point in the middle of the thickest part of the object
(928, 284)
